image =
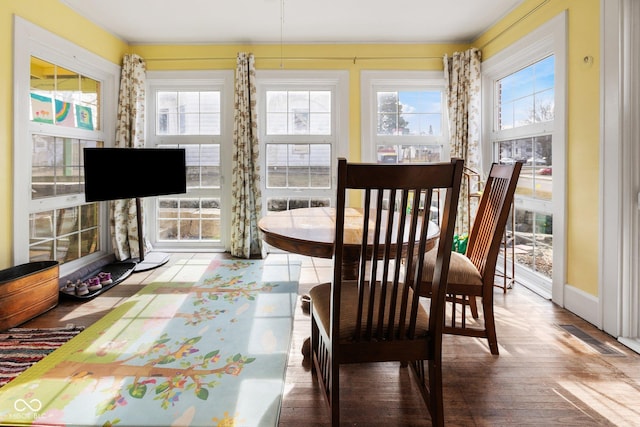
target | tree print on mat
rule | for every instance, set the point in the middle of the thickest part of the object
(213, 289)
(166, 382)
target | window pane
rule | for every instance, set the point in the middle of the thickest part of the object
(57, 165)
(43, 167)
(320, 101)
(299, 122)
(298, 112)
(210, 102)
(43, 251)
(388, 120)
(67, 221)
(89, 241)
(298, 165)
(210, 124)
(409, 113)
(210, 161)
(527, 96)
(41, 226)
(320, 158)
(422, 111)
(67, 248)
(63, 97)
(167, 224)
(298, 203)
(536, 177)
(192, 160)
(90, 232)
(210, 219)
(320, 203)
(188, 113)
(87, 110)
(276, 165)
(298, 109)
(534, 241)
(420, 153)
(298, 170)
(276, 123)
(277, 101)
(320, 124)
(277, 204)
(387, 154)
(88, 216)
(189, 102)
(188, 219)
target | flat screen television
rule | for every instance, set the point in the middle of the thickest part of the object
(126, 173)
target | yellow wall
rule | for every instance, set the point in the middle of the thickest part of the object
(583, 92)
(52, 16)
(583, 119)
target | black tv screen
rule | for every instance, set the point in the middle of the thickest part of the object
(125, 173)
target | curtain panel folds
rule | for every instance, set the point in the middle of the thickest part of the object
(462, 90)
(246, 206)
(129, 133)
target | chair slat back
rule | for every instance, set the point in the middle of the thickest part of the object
(395, 203)
(491, 217)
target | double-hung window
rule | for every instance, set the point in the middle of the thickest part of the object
(302, 125)
(65, 101)
(194, 111)
(523, 91)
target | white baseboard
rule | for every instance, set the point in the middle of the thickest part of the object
(582, 304)
(632, 343)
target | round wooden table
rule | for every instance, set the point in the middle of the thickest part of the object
(311, 232)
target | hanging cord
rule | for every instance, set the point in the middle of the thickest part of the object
(281, 34)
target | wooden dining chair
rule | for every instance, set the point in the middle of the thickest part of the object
(365, 321)
(472, 275)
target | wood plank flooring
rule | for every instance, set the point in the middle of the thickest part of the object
(547, 374)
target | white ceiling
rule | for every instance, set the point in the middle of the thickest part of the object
(301, 21)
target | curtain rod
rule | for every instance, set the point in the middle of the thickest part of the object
(299, 58)
(513, 24)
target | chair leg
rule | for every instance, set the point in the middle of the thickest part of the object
(430, 388)
(326, 372)
(490, 324)
(436, 401)
(314, 345)
(335, 395)
(473, 304)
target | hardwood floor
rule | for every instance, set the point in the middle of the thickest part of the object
(553, 368)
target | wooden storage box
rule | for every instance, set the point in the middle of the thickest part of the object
(26, 291)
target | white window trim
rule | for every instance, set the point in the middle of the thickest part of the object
(31, 40)
(372, 81)
(338, 83)
(195, 80)
(549, 38)
(619, 281)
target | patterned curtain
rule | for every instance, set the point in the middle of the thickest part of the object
(129, 133)
(246, 206)
(462, 88)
